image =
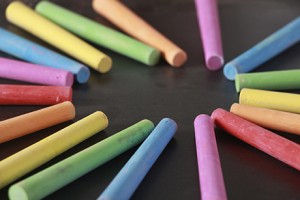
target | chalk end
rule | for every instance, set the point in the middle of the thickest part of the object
(154, 57)
(83, 75)
(176, 58)
(16, 192)
(230, 71)
(215, 62)
(237, 84)
(69, 79)
(104, 65)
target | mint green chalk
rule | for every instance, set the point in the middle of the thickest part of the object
(274, 80)
(99, 34)
(55, 177)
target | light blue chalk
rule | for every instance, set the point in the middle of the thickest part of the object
(24, 49)
(131, 175)
(265, 50)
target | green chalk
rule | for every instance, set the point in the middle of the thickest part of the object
(99, 34)
(274, 80)
(55, 177)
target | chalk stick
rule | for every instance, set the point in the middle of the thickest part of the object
(209, 166)
(208, 18)
(34, 121)
(132, 24)
(268, 118)
(27, 72)
(34, 95)
(258, 137)
(24, 17)
(264, 50)
(134, 171)
(273, 100)
(274, 80)
(28, 159)
(99, 34)
(64, 172)
(24, 49)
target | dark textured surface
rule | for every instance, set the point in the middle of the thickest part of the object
(133, 91)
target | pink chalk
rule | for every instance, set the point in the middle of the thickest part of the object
(209, 167)
(262, 139)
(22, 71)
(208, 18)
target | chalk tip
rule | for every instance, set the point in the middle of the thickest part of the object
(169, 122)
(153, 58)
(16, 192)
(201, 117)
(83, 75)
(69, 79)
(215, 62)
(103, 116)
(104, 65)
(233, 107)
(176, 58)
(230, 71)
(237, 84)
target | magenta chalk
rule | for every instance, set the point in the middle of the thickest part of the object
(22, 71)
(208, 18)
(209, 166)
(34, 95)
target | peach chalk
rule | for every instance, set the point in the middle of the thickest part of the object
(268, 118)
(258, 137)
(132, 24)
(28, 123)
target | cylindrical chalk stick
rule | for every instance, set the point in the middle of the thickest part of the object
(272, 119)
(55, 177)
(99, 34)
(29, 51)
(208, 18)
(274, 80)
(39, 153)
(262, 139)
(24, 17)
(28, 123)
(34, 95)
(22, 71)
(135, 26)
(134, 171)
(274, 100)
(265, 50)
(209, 166)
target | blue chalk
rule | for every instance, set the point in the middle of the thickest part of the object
(132, 174)
(265, 50)
(26, 50)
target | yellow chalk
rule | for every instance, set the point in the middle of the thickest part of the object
(24, 17)
(274, 100)
(39, 153)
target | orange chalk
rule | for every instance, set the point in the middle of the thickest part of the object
(28, 123)
(268, 118)
(135, 26)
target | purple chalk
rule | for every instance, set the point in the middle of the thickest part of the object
(22, 71)
(209, 167)
(208, 18)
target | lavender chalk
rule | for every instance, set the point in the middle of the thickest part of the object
(17, 70)
(209, 24)
(209, 167)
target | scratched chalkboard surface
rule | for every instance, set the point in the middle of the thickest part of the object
(132, 91)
